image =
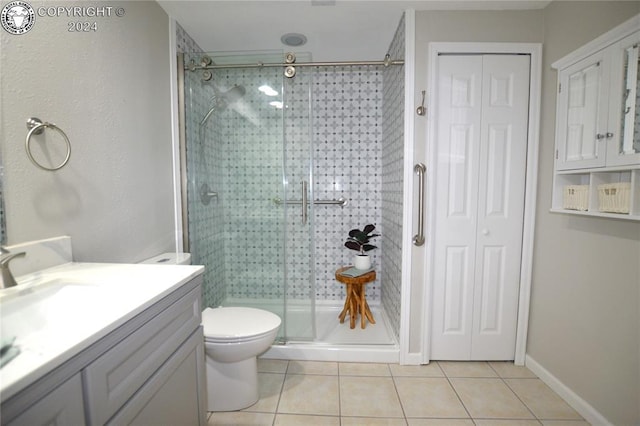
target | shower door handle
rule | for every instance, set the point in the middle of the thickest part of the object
(420, 170)
(304, 202)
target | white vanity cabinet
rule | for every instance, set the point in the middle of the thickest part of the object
(149, 370)
(597, 156)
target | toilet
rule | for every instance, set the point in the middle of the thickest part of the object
(233, 338)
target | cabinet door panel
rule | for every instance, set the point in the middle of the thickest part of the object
(581, 128)
(114, 377)
(63, 406)
(623, 147)
(170, 396)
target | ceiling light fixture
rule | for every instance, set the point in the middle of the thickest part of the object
(293, 39)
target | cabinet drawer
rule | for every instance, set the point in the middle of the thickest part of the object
(115, 376)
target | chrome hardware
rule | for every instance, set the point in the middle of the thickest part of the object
(420, 170)
(205, 60)
(339, 202)
(36, 127)
(289, 58)
(386, 62)
(206, 194)
(33, 122)
(421, 110)
(7, 277)
(609, 135)
(206, 75)
(600, 136)
(290, 71)
(304, 202)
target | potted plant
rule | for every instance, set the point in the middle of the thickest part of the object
(359, 241)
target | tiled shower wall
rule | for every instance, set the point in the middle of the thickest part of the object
(205, 221)
(353, 143)
(392, 179)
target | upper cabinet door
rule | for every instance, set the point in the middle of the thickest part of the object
(598, 112)
(623, 145)
(582, 114)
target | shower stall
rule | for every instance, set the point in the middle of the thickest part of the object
(281, 162)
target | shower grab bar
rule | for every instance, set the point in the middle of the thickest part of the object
(339, 202)
(420, 170)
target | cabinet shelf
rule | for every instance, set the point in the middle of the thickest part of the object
(621, 216)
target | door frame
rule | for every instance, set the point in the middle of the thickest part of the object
(535, 52)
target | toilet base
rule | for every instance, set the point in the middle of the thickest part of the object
(231, 386)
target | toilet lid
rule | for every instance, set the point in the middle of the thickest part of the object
(237, 322)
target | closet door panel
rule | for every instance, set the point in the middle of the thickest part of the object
(459, 98)
(500, 211)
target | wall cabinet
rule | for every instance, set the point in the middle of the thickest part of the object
(597, 156)
(149, 370)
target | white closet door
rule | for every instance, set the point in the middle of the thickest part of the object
(480, 178)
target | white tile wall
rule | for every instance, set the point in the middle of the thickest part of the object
(392, 180)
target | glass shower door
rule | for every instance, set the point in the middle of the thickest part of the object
(298, 187)
(250, 234)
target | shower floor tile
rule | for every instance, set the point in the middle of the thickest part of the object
(331, 331)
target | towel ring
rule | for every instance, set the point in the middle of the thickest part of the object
(38, 127)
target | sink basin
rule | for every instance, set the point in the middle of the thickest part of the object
(30, 311)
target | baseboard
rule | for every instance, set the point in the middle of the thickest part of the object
(583, 408)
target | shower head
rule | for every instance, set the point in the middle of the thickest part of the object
(220, 101)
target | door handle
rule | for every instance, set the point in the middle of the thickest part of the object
(420, 170)
(305, 202)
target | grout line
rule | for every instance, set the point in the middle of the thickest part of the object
(458, 396)
(519, 399)
(395, 386)
(339, 396)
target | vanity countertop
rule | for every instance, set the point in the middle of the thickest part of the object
(58, 312)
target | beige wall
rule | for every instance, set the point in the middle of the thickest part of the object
(584, 318)
(109, 91)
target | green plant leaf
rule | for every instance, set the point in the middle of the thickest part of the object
(353, 232)
(352, 245)
(369, 228)
(368, 247)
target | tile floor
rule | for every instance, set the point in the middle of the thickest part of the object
(441, 393)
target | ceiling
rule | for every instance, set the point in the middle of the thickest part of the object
(337, 30)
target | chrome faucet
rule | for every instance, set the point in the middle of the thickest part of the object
(5, 273)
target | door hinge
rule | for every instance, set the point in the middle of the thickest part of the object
(560, 88)
(556, 154)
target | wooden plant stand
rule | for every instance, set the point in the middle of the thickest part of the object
(356, 301)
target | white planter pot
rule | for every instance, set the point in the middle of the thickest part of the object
(362, 261)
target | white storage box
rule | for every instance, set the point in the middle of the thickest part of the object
(576, 197)
(614, 197)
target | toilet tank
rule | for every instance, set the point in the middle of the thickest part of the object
(170, 259)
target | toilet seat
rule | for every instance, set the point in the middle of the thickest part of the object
(237, 324)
